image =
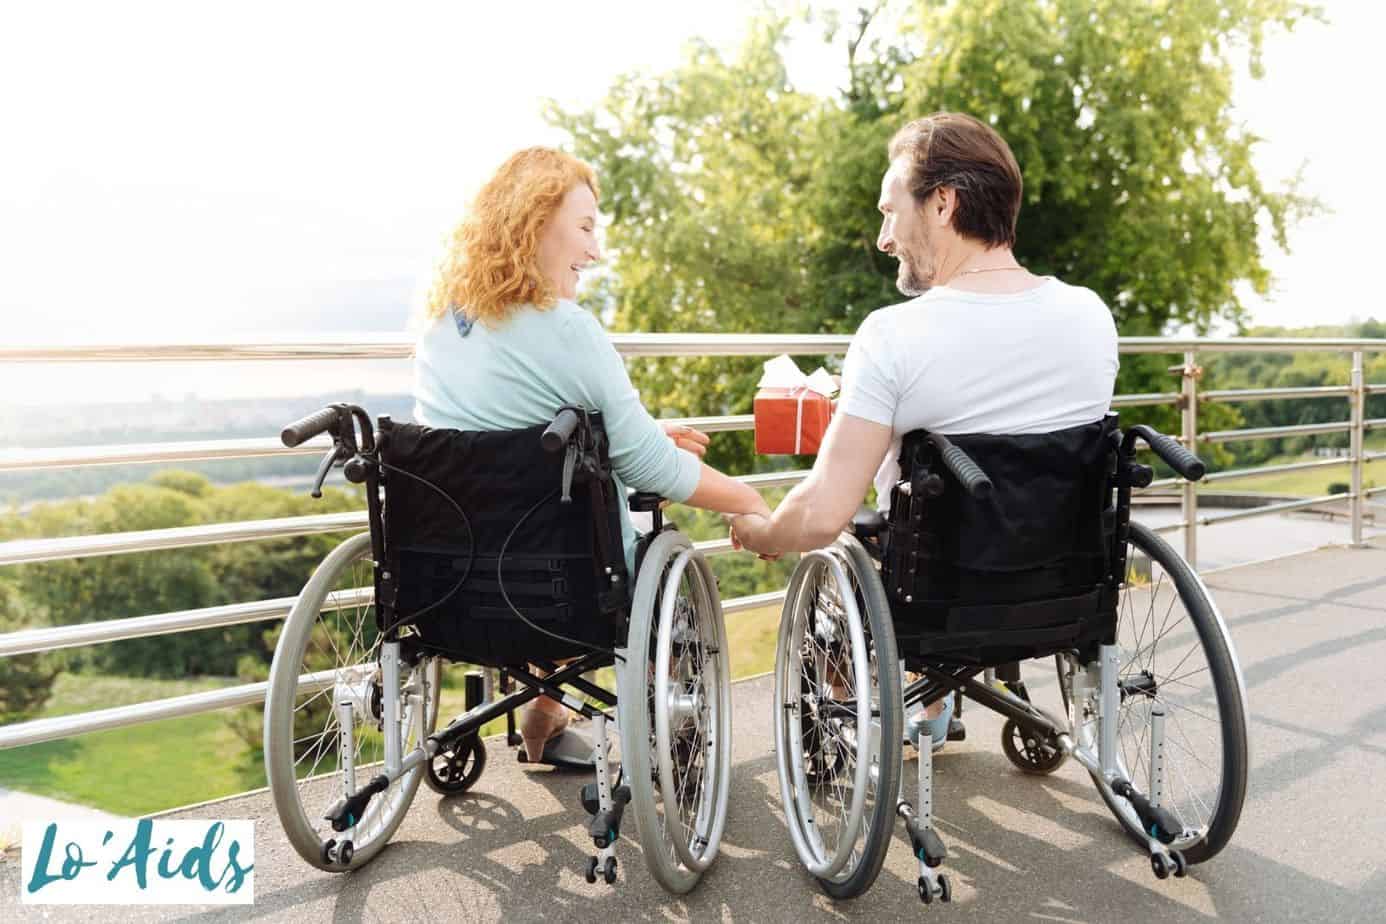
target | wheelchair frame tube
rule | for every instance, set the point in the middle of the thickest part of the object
(1109, 710)
(389, 668)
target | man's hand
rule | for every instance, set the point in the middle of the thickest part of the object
(684, 437)
(750, 531)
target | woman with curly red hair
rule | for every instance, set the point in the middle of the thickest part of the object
(506, 346)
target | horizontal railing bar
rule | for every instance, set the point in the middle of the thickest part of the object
(1275, 469)
(143, 453)
(394, 345)
(1374, 423)
(33, 551)
(1251, 344)
(30, 551)
(1268, 394)
(1262, 433)
(1273, 508)
(138, 453)
(1375, 389)
(37, 731)
(1142, 400)
(51, 638)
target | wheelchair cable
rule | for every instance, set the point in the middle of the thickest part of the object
(471, 554)
(500, 580)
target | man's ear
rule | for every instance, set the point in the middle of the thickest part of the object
(945, 201)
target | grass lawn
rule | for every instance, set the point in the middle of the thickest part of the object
(135, 770)
(1309, 483)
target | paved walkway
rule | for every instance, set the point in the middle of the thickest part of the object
(1311, 635)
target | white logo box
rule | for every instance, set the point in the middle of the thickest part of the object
(138, 861)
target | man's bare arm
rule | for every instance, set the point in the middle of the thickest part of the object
(822, 505)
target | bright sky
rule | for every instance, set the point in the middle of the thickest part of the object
(176, 170)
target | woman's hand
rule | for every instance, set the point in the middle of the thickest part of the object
(751, 531)
(685, 437)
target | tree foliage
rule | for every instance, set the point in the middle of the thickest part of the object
(741, 203)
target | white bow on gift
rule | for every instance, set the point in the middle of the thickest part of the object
(783, 372)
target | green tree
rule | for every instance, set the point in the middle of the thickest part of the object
(26, 681)
(741, 203)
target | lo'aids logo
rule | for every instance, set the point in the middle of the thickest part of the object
(138, 862)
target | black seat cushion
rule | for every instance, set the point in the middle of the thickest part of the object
(557, 555)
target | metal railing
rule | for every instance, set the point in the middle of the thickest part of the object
(1187, 398)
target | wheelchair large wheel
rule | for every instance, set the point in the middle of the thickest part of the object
(675, 712)
(1175, 652)
(838, 717)
(328, 652)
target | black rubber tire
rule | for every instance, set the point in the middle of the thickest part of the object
(1231, 704)
(1022, 757)
(473, 761)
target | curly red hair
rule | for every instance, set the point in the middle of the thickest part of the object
(491, 265)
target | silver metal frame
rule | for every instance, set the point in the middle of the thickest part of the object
(394, 346)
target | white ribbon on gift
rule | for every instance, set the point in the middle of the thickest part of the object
(783, 372)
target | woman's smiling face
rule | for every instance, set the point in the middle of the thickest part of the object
(568, 242)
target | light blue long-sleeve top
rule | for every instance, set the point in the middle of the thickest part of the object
(520, 372)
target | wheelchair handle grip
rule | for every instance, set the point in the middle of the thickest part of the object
(1173, 452)
(558, 433)
(301, 431)
(972, 478)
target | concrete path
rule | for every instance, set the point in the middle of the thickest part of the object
(1311, 635)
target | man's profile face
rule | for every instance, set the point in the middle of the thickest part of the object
(904, 234)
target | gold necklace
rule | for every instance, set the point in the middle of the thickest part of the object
(991, 269)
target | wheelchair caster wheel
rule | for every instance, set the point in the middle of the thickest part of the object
(591, 874)
(926, 894)
(609, 872)
(1029, 753)
(456, 769)
(946, 891)
(325, 854)
(1160, 865)
(1181, 866)
(346, 852)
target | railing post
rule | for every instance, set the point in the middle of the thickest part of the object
(1359, 414)
(1189, 506)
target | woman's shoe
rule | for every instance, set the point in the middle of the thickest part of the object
(936, 727)
(538, 727)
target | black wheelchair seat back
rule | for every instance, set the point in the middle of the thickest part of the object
(483, 555)
(1021, 572)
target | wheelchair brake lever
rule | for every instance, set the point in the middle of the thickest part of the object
(569, 464)
(324, 467)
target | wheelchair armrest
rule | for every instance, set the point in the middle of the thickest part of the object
(645, 501)
(868, 523)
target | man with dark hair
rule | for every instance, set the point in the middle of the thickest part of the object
(982, 346)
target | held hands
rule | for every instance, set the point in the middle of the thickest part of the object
(684, 437)
(751, 531)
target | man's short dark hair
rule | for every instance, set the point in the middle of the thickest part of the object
(956, 150)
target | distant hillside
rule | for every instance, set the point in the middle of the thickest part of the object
(166, 421)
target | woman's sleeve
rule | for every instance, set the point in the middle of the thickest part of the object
(641, 452)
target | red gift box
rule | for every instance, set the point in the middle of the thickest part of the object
(791, 421)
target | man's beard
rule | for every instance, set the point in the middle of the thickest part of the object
(912, 279)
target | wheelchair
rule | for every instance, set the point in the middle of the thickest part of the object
(500, 550)
(996, 550)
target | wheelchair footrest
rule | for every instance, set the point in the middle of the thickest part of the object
(606, 826)
(346, 813)
(925, 843)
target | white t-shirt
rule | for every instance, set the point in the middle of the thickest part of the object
(957, 362)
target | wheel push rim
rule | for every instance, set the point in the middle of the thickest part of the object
(339, 658)
(689, 705)
(821, 571)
